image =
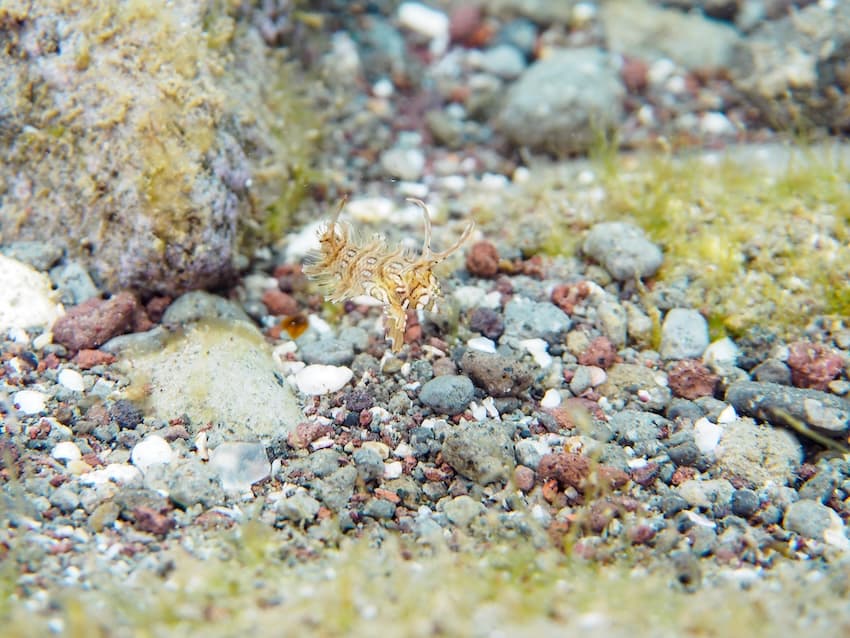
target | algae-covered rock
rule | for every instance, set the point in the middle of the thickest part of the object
(150, 140)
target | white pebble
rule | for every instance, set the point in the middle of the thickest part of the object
(598, 376)
(714, 123)
(552, 399)
(482, 344)
(239, 465)
(29, 401)
(479, 412)
(727, 415)
(71, 379)
(392, 470)
(120, 473)
(66, 451)
(706, 435)
(403, 450)
(382, 449)
(26, 297)
(720, 353)
(427, 21)
(322, 379)
(537, 348)
(382, 88)
(152, 450)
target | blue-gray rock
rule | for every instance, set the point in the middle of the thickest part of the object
(810, 519)
(379, 508)
(772, 371)
(74, 283)
(562, 102)
(329, 351)
(623, 250)
(198, 305)
(639, 429)
(65, 499)
(41, 255)
(530, 451)
(684, 334)
(369, 464)
(520, 33)
(503, 60)
(527, 319)
(448, 394)
(482, 452)
(745, 503)
(820, 410)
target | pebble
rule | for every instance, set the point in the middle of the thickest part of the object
(813, 519)
(498, 375)
(447, 394)
(820, 410)
(482, 452)
(322, 379)
(96, 321)
(329, 352)
(429, 22)
(198, 305)
(239, 465)
(614, 322)
(530, 451)
(66, 451)
(404, 163)
(30, 401)
(527, 319)
(707, 436)
(551, 399)
(120, 473)
(300, 508)
(623, 250)
(502, 60)
(639, 429)
(759, 454)
(629, 382)
(745, 502)
(684, 334)
(393, 470)
(152, 450)
(71, 379)
(462, 510)
(560, 100)
(369, 464)
(482, 344)
(772, 371)
(27, 299)
(707, 493)
(74, 283)
(379, 509)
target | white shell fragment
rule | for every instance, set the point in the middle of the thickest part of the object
(29, 401)
(706, 435)
(66, 451)
(152, 450)
(71, 379)
(322, 379)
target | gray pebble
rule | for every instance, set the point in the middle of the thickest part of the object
(614, 322)
(623, 249)
(685, 453)
(329, 351)
(530, 451)
(462, 510)
(503, 60)
(527, 319)
(482, 452)
(379, 508)
(639, 429)
(320, 463)
(197, 305)
(772, 371)
(151, 340)
(65, 498)
(404, 163)
(190, 482)
(581, 380)
(498, 375)
(684, 334)
(560, 101)
(821, 486)
(448, 394)
(820, 410)
(745, 502)
(300, 508)
(74, 283)
(370, 465)
(356, 336)
(809, 518)
(520, 33)
(38, 254)
(672, 504)
(335, 490)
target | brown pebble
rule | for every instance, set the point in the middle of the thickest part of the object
(157, 306)
(568, 469)
(683, 473)
(443, 366)
(95, 321)
(150, 520)
(690, 379)
(482, 260)
(279, 303)
(635, 73)
(646, 475)
(641, 534)
(568, 296)
(601, 353)
(306, 433)
(813, 365)
(524, 478)
(88, 358)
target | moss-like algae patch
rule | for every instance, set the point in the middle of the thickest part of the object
(754, 236)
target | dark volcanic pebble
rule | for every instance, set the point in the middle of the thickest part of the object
(447, 394)
(488, 322)
(96, 321)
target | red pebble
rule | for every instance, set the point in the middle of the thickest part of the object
(88, 358)
(279, 303)
(568, 469)
(149, 520)
(95, 321)
(482, 260)
(690, 379)
(523, 478)
(813, 365)
(601, 353)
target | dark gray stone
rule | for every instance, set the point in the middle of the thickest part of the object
(448, 394)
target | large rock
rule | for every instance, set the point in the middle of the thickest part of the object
(795, 69)
(145, 139)
(563, 102)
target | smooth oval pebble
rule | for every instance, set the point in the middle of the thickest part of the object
(322, 379)
(29, 401)
(71, 379)
(151, 450)
(66, 451)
